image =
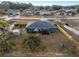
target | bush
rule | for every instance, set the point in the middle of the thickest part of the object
(3, 22)
(33, 43)
(69, 50)
(6, 45)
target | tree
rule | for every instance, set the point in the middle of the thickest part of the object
(55, 7)
(5, 5)
(41, 7)
(3, 22)
(77, 10)
(13, 5)
(30, 5)
(47, 7)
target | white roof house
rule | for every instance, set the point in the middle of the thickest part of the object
(27, 12)
(67, 10)
(44, 12)
(16, 32)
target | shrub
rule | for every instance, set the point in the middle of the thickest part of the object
(6, 45)
(33, 43)
(3, 22)
(68, 50)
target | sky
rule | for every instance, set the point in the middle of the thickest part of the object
(47, 2)
(44, 3)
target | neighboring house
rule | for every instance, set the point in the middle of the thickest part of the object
(2, 12)
(77, 15)
(53, 12)
(20, 23)
(11, 12)
(44, 12)
(17, 12)
(36, 11)
(27, 12)
(67, 10)
(41, 26)
(70, 12)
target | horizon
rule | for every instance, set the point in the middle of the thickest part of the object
(50, 3)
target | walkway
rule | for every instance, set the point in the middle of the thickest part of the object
(68, 36)
(71, 29)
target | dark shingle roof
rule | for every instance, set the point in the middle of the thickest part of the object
(41, 24)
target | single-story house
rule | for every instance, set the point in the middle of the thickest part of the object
(20, 23)
(12, 12)
(41, 26)
(27, 12)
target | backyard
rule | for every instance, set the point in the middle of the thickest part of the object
(53, 44)
(56, 44)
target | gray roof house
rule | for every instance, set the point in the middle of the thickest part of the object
(12, 12)
(39, 26)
